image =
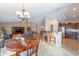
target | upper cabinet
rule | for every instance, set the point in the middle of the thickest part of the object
(70, 25)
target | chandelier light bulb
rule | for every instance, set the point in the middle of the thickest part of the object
(23, 14)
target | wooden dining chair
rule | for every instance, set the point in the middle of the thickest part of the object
(32, 48)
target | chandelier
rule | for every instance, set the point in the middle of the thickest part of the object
(23, 15)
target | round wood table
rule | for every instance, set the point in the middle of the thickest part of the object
(16, 47)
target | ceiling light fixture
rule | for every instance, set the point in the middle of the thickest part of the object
(63, 16)
(74, 9)
(23, 15)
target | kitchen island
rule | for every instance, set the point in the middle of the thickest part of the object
(71, 39)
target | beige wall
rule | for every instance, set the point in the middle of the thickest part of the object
(8, 26)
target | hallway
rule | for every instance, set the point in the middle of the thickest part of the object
(49, 50)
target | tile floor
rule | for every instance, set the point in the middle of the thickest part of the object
(52, 50)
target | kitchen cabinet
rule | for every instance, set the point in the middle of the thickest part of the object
(71, 39)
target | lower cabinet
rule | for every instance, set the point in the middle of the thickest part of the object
(71, 43)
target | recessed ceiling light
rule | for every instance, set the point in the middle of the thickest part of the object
(74, 9)
(63, 16)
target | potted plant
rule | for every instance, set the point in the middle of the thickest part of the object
(2, 33)
(29, 33)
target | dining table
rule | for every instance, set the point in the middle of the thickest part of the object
(18, 46)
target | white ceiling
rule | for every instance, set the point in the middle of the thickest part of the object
(38, 11)
(39, 1)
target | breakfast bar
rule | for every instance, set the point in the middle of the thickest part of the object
(71, 39)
